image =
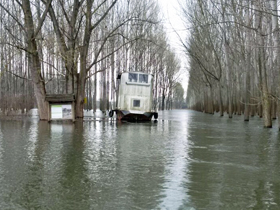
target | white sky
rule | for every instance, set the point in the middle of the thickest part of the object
(173, 21)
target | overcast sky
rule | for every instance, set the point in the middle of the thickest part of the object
(173, 21)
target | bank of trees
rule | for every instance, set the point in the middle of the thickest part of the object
(178, 96)
(234, 57)
(78, 47)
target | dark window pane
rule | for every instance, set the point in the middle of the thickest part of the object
(136, 103)
(143, 78)
(132, 77)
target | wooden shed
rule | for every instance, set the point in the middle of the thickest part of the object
(64, 104)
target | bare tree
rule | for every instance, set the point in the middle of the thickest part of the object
(235, 44)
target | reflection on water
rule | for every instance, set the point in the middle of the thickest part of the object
(187, 160)
(175, 194)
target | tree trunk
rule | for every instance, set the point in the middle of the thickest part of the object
(247, 62)
(262, 67)
(247, 92)
(34, 62)
(238, 96)
(264, 88)
(221, 106)
(94, 89)
(163, 100)
(229, 88)
(81, 87)
(276, 44)
(211, 103)
(113, 88)
(227, 63)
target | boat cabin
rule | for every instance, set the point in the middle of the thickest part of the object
(135, 97)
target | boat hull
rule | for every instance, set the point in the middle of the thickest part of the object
(125, 115)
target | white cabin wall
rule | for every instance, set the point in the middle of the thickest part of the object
(130, 92)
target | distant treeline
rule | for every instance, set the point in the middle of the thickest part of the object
(234, 54)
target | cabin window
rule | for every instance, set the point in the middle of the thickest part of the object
(143, 78)
(132, 77)
(136, 103)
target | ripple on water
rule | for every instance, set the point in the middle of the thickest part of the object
(187, 160)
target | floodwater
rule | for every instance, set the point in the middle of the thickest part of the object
(187, 160)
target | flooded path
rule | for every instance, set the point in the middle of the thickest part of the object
(187, 160)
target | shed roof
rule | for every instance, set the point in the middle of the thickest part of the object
(60, 98)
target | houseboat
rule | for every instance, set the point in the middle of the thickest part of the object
(135, 97)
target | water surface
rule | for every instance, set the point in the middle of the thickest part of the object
(187, 160)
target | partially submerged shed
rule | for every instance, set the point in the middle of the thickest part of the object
(61, 107)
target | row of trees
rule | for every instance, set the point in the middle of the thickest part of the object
(78, 47)
(234, 53)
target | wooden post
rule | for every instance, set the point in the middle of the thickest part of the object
(73, 111)
(49, 111)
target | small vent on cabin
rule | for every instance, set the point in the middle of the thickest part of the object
(136, 103)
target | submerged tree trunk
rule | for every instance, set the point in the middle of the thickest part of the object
(211, 104)
(247, 62)
(276, 55)
(34, 62)
(221, 106)
(262, 68)
(81, 86)
(229, 88)
(163, 100)
(94, 89)
(247, 92)
(265, 94)
(264, 88)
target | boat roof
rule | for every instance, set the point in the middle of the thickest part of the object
(138, 72)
